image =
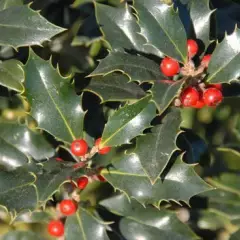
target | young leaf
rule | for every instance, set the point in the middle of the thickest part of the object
(128, 122)
(21, 26)
(12, 75)
(138, 68)
(119, 27)
(155, 149)
(10, 156)
(164, 93)
(115, 87)
(151, 222)
(21, 235)
(27, 141)
(84, 225)
(225, 61)
(127, 175)
(200, 14)
(17, 191)
(162, 28)
(55, 105)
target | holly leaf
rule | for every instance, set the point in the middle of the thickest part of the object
(119, 27)
(127, 175)
(21, 26)
(115, 87)
(138, 68)
(128, 122)
(33, 217)
(54, 103)
(226, 181)
(12, 75)
(21, 235)
(158, 22)
(155, 149)
(49, 178)
(4, 4)
(164, 93)
(31, 143)
(225, 61)
(17, 190)
(138, 220)
(10, 156)
(77, 226)
(200, 14)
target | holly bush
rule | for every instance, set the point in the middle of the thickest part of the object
(119, 119)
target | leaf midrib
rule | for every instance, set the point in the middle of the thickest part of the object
(81, 225)
(54, 103)
(120, 129)
(183, 58)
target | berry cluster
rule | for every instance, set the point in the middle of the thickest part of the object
(68, 207)
(196, 93)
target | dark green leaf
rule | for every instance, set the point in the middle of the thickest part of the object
(227, 181)
(55, 105)
(164, 92)
(12, 75)
(17, 191)
(128, 122)
(10, 156)
(84, 225)
(115, 87)
(200, 14)
(127, 175)
(9, 3)
(152, 222)
(225, 61)
(27, 141)
(119, 27)
(235, 236)
(155, 149)
(21, 26)
(50, 178)
(162, 28)
(138, 68)
(21, 235)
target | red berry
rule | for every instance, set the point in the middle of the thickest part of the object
(192, 47)
(82, 182)
(217, 86)
(56, 228)
(212, 97)
(103, 150)
(169, 67)
(199, 104)
(68, 207)
(79, 147)
(189, 97)
(206, 59)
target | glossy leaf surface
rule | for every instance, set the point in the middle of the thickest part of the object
(128, 122)
(127, 175)
(138, 68)
(155, 17)
(55, 105)
(21, 26)
(155, 149)
(115, 87)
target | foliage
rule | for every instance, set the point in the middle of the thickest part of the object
(86, 69)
